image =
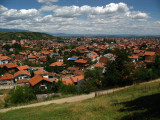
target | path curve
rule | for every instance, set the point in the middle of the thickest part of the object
(71, 99)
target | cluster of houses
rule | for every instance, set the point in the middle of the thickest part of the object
(89, 53)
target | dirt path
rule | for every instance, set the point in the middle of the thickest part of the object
(70, 99)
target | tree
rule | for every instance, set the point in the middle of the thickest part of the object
(93, 80)
(118, 72)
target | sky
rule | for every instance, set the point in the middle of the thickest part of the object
(109, 17)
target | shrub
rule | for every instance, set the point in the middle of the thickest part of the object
(68, 89)
(21, 95)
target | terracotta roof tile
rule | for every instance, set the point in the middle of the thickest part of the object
(103, 60)
(149, 53)
(4, 58)
(23, 72)
(98, 65)
(81, 61)
(37, 78)
(11, 65)
(57, 64)
(6, 76)
(23, 67)
(40, 72)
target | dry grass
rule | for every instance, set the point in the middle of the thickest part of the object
(114, 106)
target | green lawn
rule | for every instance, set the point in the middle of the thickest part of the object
(140, 102)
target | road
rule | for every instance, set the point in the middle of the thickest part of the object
(70, 99)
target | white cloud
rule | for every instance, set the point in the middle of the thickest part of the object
(72, 11)
(47, 1)
(48, 8)
(139, 16)
(12, 14)
(2, 9)
(114, 18)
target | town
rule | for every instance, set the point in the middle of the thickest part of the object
(45, 62)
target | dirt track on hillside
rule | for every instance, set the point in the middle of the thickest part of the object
(70, 99)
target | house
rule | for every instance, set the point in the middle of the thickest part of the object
(39, 81)
(134, 58)
(10, 67)
(59, 64)
(93, 56)
(76, 80)
(71, 69)
(81, 63)
(32, 58)
(52, 76)
(149, 56)
(42, 73)
(103, 60)
(98, 65)
(24, 67)
(6, 79)
(22, 74)
(4, 60)
(23, 82)
(78, 72)
(59, 58)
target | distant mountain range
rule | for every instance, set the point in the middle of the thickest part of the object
(25, 35)
(13, 30)
(80, 35)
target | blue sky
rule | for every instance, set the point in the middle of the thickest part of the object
(82, 16)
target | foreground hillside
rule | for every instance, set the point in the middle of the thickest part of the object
(140, 102)
(24, 35)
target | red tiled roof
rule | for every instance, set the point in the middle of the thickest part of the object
(4, 58)
(78, 72)
(11, 65)
(52, 74)
(77, 78)
(149, 53)
(23, 67)
(133, 57)
(103, 60)
(6, 76)
(22, 72)
(72, 68)
(67, 81)
(36, 79)
(40, 72)
(98, 65)
(81, 61)
(57, 64)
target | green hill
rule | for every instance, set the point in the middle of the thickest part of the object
(25, 35)
(139, 102)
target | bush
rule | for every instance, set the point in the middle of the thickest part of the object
(21, 95)
(68, 89)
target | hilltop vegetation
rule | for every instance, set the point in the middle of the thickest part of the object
(25, 35)
(139, 102)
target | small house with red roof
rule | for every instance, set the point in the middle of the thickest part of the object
(103, 60)
(10, 67)
(6, 79)
(42, 73)
(22, 74)
(81, 63)
(22, 82)
(39, 81)
(4, 60)
(24, 67)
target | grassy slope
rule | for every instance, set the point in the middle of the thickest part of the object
(139, 102)
(24, 35)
